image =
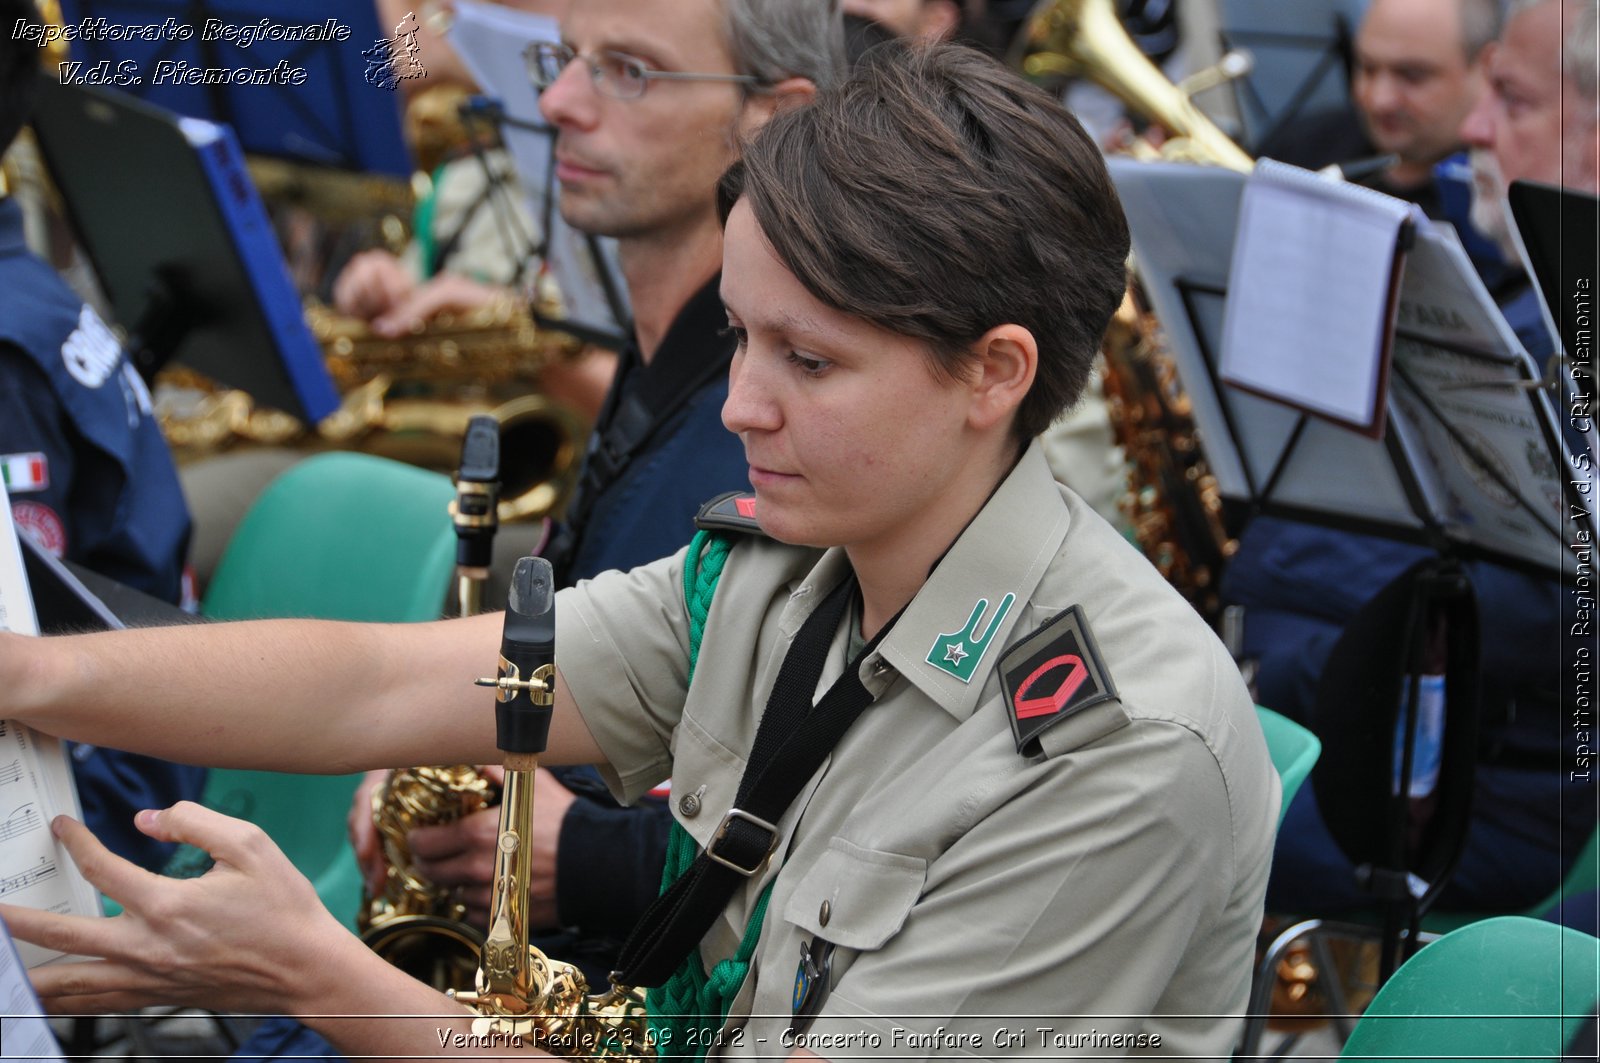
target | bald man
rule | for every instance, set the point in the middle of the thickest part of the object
(1416, 75)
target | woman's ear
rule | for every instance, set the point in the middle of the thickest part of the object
(1003, 371)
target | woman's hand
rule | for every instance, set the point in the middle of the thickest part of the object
(249, 935)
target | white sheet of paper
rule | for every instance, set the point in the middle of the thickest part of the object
(35, 782)
(1308, 293)
(24, 1033)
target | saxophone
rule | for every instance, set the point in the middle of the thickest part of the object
(1172, 499)
(518, 991)
(421, 928)
(413, 923)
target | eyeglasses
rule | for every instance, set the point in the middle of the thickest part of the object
(619, 76)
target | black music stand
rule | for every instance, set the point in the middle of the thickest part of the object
(181, 245)
(1441, 476)
(334, 117)
(1302, 58)
(70, 598)
(1422, 480)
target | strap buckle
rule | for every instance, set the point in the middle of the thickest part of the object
(722, 836)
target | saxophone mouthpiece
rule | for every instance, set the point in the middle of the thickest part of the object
(532, 587)
(525, 687)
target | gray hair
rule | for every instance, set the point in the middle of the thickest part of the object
(771, 40)
(1480, 24)
(1578, 57)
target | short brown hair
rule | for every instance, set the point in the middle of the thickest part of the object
(937, 195)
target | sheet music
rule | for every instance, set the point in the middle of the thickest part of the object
(1182, 223)
(24, 1033)
(1182, 219)
(490, 40)
(1475, 434)
(35, 782)
(1309, 293)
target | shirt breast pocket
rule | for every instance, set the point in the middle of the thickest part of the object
(855, 897)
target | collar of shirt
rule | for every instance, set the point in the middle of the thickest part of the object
(1005, 550)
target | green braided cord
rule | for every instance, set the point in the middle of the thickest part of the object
(681, 1009)
(686, 1012)
(701, 571)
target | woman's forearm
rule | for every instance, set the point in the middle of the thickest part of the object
(295, 695)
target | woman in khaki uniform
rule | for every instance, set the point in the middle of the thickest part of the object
(1048, 829)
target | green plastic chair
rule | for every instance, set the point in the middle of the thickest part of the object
(340, 537)
(1294, 751)
(337, 537)
(1507, 988)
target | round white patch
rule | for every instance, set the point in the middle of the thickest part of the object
(92, 352)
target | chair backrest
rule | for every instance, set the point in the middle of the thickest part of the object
(1509, 987)
(340, 537)
(1294, 751)
(337, 537)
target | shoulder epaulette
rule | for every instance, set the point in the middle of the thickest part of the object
(732, 511)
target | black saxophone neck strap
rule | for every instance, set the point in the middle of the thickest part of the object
(791, 742)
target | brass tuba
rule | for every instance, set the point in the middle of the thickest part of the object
(1072, 38)
(1172, 499)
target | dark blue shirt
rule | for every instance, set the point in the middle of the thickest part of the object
(91, 480)
(611, 857)
(91, 477)
(646, 510)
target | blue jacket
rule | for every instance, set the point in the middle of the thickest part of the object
(91, 480)
(110, 498)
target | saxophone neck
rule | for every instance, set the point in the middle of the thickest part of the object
(507, 971)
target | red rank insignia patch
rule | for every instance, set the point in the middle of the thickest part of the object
(1052, 674)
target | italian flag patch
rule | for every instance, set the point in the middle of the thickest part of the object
(24, 472)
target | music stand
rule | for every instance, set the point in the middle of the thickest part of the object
(1426, 479)
(490, 40)
(69, 598)
(1471, 463)
(191, 266)
(1559, 241)
(1302, 56)
(334, 117)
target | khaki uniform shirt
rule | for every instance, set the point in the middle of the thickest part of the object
(1100, 897)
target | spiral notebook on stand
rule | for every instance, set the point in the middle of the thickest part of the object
(1314, 287)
